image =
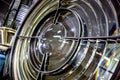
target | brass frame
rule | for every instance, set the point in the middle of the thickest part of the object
(5, 34)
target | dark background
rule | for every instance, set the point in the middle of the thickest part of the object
(4, 6)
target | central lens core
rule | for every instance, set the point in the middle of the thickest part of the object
(51, 39)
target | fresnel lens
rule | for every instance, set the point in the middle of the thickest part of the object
(67, 40)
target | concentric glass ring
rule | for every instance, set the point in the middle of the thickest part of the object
(51, 56)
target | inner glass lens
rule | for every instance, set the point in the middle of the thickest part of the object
(52, 38)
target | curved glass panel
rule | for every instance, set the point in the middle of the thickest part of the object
(48, 44)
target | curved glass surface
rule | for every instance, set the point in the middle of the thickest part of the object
(45, 53)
